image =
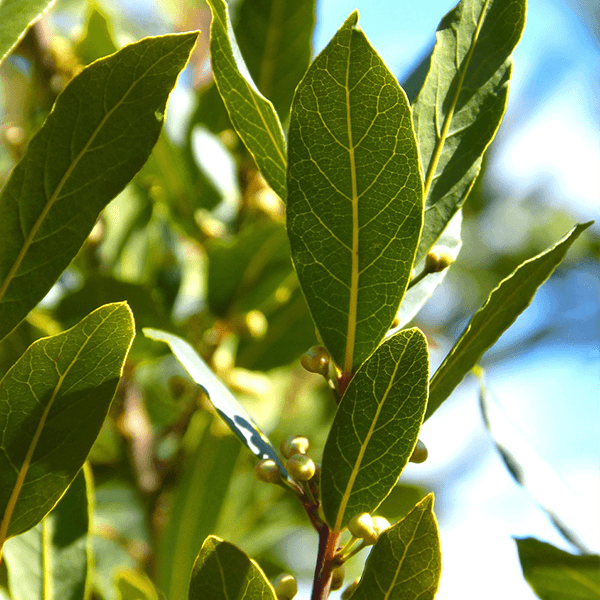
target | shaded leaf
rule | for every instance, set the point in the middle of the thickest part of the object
(198, 503)
(274, 37)
(462, 102)
(406, 561)
(252, 115)
(529, 470)
(98, 39)
(52, 404)
(15, 18)
(512, 296)
(110, 559)
(375, 428)
(223, 572)
(557, 575)
(230, 410)
(133, 585)
(99, 134)
(355, 205)
(52, 560)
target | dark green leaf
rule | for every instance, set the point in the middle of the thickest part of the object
(230, 410)
(557, 575)
(512, 296)
(529, 470)
(274, 37)
(406, 561)
(15, 17)
(197, 505)
(252, 115)
(223, 572)
(462, 102)
(52, 404)
(52, 560)
(98, 135)
(355, 194)
(375, 428)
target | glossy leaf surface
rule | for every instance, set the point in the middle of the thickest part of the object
(274, 37)
(512, 296)
(52, 560)
(252, 115)
(558, 575)
(52, 404)
(15, 17)
(462, 102)
(99, 134)
(223, 572)
(375, 428)
(406, 561)
(230, 410)
(355, 201)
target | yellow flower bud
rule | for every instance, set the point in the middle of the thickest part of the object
(420, 453)
(337, 578)
(300, 467)
(267, 470)
(380, 524)
(438, 259)
(286, 587)
(361, 526)
(294, 444)
(316, 360)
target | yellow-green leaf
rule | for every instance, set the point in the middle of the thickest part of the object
(355, 204)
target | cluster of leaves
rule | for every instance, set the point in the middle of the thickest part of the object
(361, 187)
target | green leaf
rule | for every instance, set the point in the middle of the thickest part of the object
(557, 499)
(274, 38)
(223, 572)
(252, 115)
(52, 560)
(557, 575)
(355, 194)
(15, 18)
(98, 39)
(375, 428)
(406, 561)
(462, 102)
(52, 404)
(133, 585)
(98, 135)
(197, 505)
(512, 296)
(229, 409)
(110, 559)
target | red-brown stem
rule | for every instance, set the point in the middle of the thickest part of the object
(327, 548)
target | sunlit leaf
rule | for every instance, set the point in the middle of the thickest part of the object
(230, 410)
(15, 17)
(99, 134)
(274, 37)
(223, 572)
(52, 560)
(462, 102)
(355, 199)
(512, 296)
(133, 585)
(557, 575)
(52, 404)
(406, 561)
(252, 115)
(375, 428)
(98, 39)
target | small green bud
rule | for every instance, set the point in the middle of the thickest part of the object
(316, 360)
(286, 587)
(267, 470)
(337, 578)
(438, 259)
(420, 453)
(294, 444)
(361, 526)
(350, 590)
(300, 467)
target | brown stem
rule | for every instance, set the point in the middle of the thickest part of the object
(325, 563)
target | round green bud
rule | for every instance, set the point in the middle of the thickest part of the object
(267, 470)
(420, 453)
(300, 467)
(438, 259)
(380, 524)
(286, 587)
(316, 360)
(361, 526)
(294, 444)
(350, 590)
(337, 578)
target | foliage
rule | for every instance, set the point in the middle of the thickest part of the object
(311, 204)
